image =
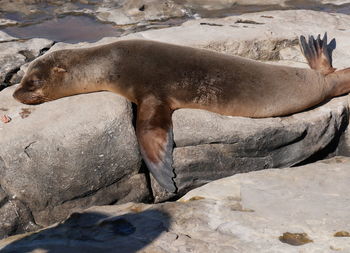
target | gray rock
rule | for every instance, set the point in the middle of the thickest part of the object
(262, 35)
(69, 154)
(5, 37)
(15, 218)
(6, 22)
(10, 64)
(17, 77)
(3, 197)
(208, 146)
(13, 54)
(136, 11)
(243, 213)
(343, 148)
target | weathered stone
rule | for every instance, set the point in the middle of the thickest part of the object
(17, 77)
(69, 154)
(15, 218)
(14, 54)
(226, 146)
(343, 148)
(5, 37)
(10, 64)
(261, 35)
(6, 22)
(270, 35)
(243, 213)
(3, 197)
(208, 146)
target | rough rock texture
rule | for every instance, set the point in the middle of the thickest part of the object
(69, 154)
(136, 15)
(233, 145)
(136, 11)
(243, 213)
(13, 54)
(344, 142)
(267, 36)
(5, 37)
(208, 146)
(6, 22)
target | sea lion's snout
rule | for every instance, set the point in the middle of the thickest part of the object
(25, 96)
(16, 95)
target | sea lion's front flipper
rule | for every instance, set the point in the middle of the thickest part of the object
(155, 136)
(318, 53)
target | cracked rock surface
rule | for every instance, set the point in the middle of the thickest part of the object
(15, 53)
(67, 155)
(243, 213)
(81, 151)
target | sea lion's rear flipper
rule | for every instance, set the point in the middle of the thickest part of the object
(155, 136)
(318, 53)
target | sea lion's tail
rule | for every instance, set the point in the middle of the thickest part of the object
(318, 53)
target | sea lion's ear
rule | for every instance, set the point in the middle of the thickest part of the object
(59, 70)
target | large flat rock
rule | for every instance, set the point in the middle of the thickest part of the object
(81, 151)
(69, 154)
(243, 213)
(229, 145)
(15, 53)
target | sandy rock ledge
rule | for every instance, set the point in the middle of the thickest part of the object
(81, 151)
(244, 213)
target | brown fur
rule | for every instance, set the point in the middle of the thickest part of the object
(160, 78)
(177, 76)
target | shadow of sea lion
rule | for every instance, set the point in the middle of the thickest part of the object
(93, 232)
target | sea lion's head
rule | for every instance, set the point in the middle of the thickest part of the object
(42, 82)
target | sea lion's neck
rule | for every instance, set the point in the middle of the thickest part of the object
(88, 80)
(339, 82)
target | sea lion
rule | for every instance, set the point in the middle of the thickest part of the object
(161, 78)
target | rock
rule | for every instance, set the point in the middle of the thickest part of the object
(14, 54)
(3, 197)
(243, 213)
(208, 146)
(136, 11)
(343, 148)
(235, 145)
(69, 154)
(198, 5)
(335, 2)
(5, 37)
(265, 36)
(17, 77)
(260, 36)
(136, 14)
(10, 64)
(7, 22)
(15, 218)
(206, 140)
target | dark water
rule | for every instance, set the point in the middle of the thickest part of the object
(44, 22)
(71, 29)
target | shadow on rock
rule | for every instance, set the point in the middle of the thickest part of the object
(92, 232)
